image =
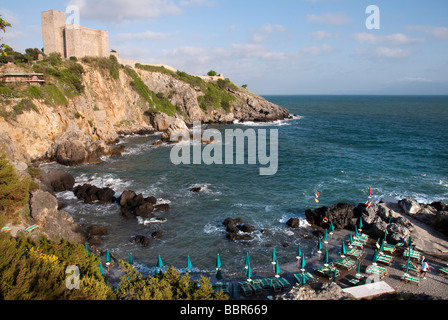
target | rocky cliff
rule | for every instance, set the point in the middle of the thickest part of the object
(51, 122)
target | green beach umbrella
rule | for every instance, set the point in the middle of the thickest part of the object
(385, 235)
(351, 240)
(343, 251)
(303, 263)
(247, 262)
(274, 257)
(249, 273)
(101, 268)
(159, 264)
(131, 259)
(319, 246)
(87, 248)
(326, 236)
(358, 274)
(375, 257)
(382, 246)
(407, 265)
(409, 242)
(360, 223)
(299, 252)
(277, 270)
(356, 232)
(218, 262)
(107, 256)
(303, 280)
(219, 275)
(189, 264)
(331, 227)
(326, 257)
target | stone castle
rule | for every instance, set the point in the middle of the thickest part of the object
(72, 40)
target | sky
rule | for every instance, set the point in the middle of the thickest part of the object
(303, 47)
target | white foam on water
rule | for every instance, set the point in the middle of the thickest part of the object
(66, 195)
(284, 122)
(108, 180)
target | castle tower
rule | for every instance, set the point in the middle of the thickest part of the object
(53, 32)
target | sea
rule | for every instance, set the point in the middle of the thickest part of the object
(339, 146)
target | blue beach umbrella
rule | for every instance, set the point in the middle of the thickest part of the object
(218, 262)
(107, 256)
(189, 264)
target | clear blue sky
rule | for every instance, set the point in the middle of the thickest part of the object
(275, 47)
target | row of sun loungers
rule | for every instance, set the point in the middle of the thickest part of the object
(381, 272)
(257, 286)
(327, 271)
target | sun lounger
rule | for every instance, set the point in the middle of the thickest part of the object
(221, 287)
(285, 283)
(356, 243)
(408, 278)
(444, 271)
(256, 286)
(6, 229)
(387, 248)
(412, 267)
(357, 280)
(29, 229)
(308, 277)
(263, 282)
(377, 270)
(361, 238)
(327, 271)
(384, 258)
(276, 285)
(414, 254)
(354, 252)
(346, 263)
(246, 287)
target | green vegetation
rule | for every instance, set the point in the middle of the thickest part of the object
(14, 191)
(110, 65)
(164, 286)
(36, 270)
(3, 26)
(156, 102)
(212, 73)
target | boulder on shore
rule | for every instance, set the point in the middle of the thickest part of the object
(57, 181)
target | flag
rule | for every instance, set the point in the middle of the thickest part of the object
(316, 196)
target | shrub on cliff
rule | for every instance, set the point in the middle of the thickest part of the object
(14, 191)
(36, 270)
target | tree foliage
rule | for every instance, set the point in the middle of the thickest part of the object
(3, 26)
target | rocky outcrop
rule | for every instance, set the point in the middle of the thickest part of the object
(57, 181)
(237, 230)
(74, 148)
(91, 194)
(136, 205)
(56, 224)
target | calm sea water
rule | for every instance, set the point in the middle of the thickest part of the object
(339, 145)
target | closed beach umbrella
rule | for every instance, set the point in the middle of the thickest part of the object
(351, 240)
(319, 246)
(385, 235)
(360, 223)
(409, 242)
(382, 246)
(356, 233)
(159, 264)
(87, 248)
(249, 273)
(303, 263)
(375, 257)
(326, 236)
(277, 270)
(189, 264)
(274, 257)
(359, 269)
(303, 280)
(331, 227)
(343, 251)
(218, 262)
(219, 275)
(101, 268)
(407, 265)
(247, 262)
(131, 259)
(326, 257)
(299, 252)
(107, 256)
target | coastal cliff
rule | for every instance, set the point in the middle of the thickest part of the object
(85, 105)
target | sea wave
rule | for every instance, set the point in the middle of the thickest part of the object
(106, 181)
(284, 122)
